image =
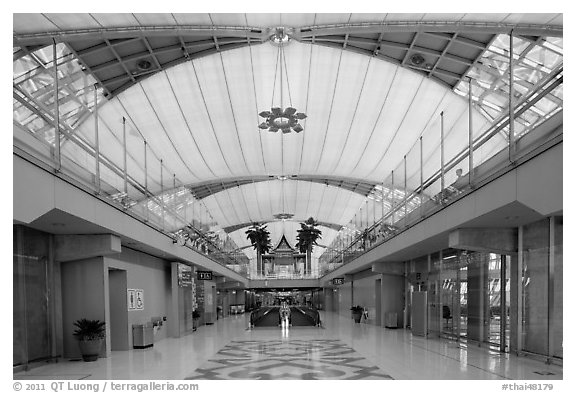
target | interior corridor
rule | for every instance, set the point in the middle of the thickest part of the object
(340, 349)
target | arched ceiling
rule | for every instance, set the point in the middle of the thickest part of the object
(112, 46)
(190, 87)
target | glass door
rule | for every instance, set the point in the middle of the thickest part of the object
(449, 293)
(31, 300)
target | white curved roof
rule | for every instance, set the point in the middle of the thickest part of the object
(200, 117)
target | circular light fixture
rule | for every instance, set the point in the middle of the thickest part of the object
(144, 65)
(285, 120)
(281, 122)
(283, 216)
(280, 118)
(417, 59)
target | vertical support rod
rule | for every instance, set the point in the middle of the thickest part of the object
(56, 112)
(421, 176)
(162, 190)
(551, 272)
(392, 203)
(96, 142)
(125, 155)
(442, 157)
(511, 138)
(503, 310)
(193, 207)
(470, 136)
(367, 216)
(405, 193)
(146, 193)
(374, 211)
(382, 224)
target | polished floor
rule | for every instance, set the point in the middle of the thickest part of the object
(340, 349)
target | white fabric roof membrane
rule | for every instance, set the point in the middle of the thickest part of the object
(201, 119)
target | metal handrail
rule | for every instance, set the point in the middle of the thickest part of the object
(550, 83)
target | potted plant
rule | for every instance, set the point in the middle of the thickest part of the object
(90, 334)
(195, 318)
(357, 313)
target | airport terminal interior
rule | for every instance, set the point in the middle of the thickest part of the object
(262, 196)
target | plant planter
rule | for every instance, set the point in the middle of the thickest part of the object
(90, 349)
(357, 316)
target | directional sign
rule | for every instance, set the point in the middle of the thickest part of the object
(200, 275)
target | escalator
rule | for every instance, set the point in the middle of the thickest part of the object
(266, 317)
(270, 316)
(300, 317)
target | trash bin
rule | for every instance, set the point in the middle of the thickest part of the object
(391, 320)
(142, 336)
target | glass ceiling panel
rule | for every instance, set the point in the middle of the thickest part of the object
(33, 78)
(533, 62)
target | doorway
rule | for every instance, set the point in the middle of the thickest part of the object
(118, 323)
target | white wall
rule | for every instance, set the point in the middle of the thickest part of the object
(152, 275)
(82, 297)
(365, 296)
(343, 296)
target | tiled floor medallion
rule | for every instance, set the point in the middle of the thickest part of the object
(294, 359)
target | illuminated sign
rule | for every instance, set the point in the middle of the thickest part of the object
(338, 281)
(204, 275)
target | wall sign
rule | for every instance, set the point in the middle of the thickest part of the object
(184, 276)
(135, 299)
(200, 275)
(338, 281)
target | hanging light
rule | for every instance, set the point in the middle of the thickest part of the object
(280, 118)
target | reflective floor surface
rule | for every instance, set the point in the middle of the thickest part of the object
(340, 349)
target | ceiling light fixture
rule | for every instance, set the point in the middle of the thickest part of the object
(283, 216)
(280, 118)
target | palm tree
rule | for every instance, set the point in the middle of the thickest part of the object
(260, 238)
(307, 238)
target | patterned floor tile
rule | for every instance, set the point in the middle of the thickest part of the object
(288, 359)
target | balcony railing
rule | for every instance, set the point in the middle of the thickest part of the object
(412, 206)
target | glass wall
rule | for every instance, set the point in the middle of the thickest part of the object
(535, 253)
(558, 287)
(449, 293)
(465, 294)
(32, 334)
(542, 275)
